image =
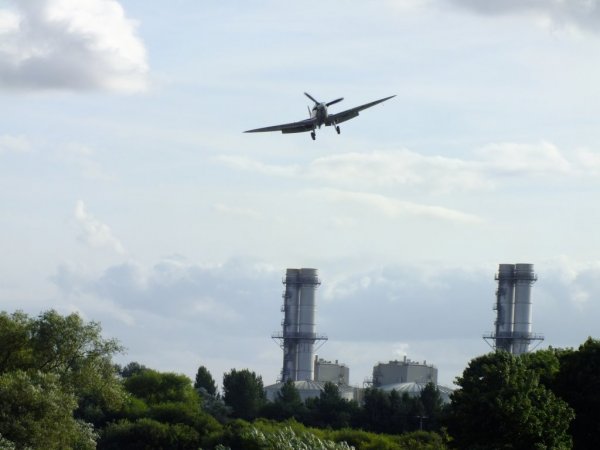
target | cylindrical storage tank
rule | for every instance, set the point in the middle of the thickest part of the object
(524, 278)
(306, 328)
(504, 306)
(291, 305)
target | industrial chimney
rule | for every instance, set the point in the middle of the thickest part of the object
(513, 307)
(299, 329)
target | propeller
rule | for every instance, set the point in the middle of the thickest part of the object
(333, 102)
(311, 97)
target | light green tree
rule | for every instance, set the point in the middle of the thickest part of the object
(56, 374)
(36, 412)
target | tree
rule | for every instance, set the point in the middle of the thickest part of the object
(330, 409)
(57, 360)
(501, 404)
(156, 387)
(243, 391)
(132, 368)
(287, 405)
(163, 411)
(432, 405)
(578, 383)
(148, 434)
(35, 412)
(69, 348)
(204, 380)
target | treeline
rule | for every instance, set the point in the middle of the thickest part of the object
(59, 389)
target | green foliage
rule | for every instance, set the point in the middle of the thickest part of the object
(243, 391)
(330, 409)
(36, 412)
(384, 412)
(148, 434)
(156, 387)
(204, 380)
(501, 404)
(132, 368)
(241, 435)
(433, 406)
(578, 383)
(287, 405)
(287, 439)
(362, 440)
(57, 375)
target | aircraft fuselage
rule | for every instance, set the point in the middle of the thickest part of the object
(319, 112)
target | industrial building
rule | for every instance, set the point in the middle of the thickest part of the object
(408, 377)
(309, 373)
(334, 372)
(513, 309)
(405, 371)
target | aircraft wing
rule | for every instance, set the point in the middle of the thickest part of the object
(294, 127)
(352, 112)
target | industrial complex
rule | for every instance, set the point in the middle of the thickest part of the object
(309, 373)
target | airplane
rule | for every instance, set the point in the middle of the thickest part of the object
(319, 116)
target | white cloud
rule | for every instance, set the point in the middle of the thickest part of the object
(485, 170)
(17, 144)
(394, 208)
(398, 168)
(95, 233)
(527, 159)
(70, 44)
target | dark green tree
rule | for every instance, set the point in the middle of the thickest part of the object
(502, 404)
(132, 368)
(148, 434)
(578, 383)
(204, 380)
(157, 387)
(330, 409)
(432, 403)
(376, 412)
(287, 405)
(243, 392)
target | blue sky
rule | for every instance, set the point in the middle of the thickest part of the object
(129, 193)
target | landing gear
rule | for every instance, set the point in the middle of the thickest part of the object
(313, 135)
(337, 128)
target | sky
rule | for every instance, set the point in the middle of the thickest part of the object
(130, 194)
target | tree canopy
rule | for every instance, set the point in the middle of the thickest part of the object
(243, 391)
(204, 380)
(56, 376)
(502, 404)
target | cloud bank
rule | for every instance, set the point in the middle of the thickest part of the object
(222, 315)
(71, 45)
(582, 14)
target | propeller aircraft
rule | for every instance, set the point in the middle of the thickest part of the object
(319, 116)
